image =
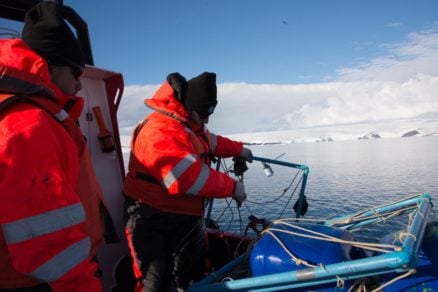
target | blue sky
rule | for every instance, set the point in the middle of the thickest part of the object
(282, 65)
(255, 41)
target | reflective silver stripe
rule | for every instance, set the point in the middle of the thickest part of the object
(37, 225)
(188, 130)
(179, 169)
(213, 142)
(61, 115)
(200, 181)
(63, 262)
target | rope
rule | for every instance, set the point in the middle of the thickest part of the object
(385, 248)
(371, 214)
(384, 216)
(332, 238)
(283, 193)
(358, 214)
(407, 274)
(361, 285)
(293, 192)
(403, 235)
(352, 219)
(236, 250)
(317, 220)
(296, 259)
(223, 212)
(227, 169)
(340, 283)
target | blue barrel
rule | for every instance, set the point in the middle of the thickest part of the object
(268, 257)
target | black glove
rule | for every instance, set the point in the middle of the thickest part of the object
(239, 165)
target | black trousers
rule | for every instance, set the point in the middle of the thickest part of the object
(168, 249)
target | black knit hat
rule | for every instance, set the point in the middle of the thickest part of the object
(46, 32)
(201, 94)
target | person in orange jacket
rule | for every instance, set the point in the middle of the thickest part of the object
(169, 178)
(50, 201)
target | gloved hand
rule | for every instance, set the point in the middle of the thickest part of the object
(239, 193)
(247, 154)
(239, 166)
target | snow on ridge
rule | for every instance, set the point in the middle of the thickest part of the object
(393, 129)
(365, 131)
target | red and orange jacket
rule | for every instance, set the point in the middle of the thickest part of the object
(50, 201)
(169, 167)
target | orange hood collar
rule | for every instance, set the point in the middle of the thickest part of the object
(164, 101)
(22, 71)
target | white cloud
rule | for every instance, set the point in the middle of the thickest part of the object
(418, 54)
(132, 108)
(402, 84)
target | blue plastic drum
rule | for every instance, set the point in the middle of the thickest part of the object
(269, 257)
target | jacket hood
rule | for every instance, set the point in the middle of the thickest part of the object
(164, 101)
(23, 71)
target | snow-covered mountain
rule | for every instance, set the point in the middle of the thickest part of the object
(361, 131)
(376, 130)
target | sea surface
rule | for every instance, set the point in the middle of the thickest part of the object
(344, 177)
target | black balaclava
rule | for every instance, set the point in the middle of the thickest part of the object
(201, 94)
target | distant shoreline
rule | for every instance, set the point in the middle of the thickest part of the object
(126, 148)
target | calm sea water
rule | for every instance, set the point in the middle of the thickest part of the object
(345, 176)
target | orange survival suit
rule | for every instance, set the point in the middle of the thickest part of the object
(50, 202)
(170, 158)
(169, 177)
